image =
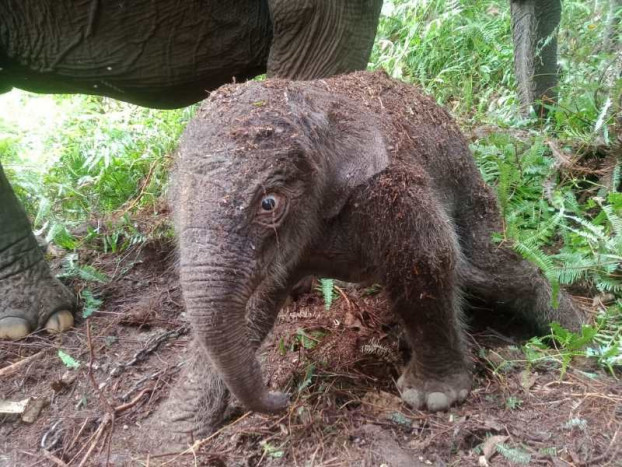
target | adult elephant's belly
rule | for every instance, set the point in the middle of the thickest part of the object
(157, 53)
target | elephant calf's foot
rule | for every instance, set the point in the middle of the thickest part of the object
(34, 299)
(434, 394)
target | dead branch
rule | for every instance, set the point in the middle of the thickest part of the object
(151, 346)
(100, 430)
(52, 458)
(110, 412)
(133, 402)
(13, 368)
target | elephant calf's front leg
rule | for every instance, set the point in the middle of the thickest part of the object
(412, 246)
(199, 402)
(437, 375)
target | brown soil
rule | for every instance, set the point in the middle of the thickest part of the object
(339, 365)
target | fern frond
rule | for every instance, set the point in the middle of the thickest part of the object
(327, 287)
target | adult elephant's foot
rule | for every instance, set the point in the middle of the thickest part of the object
(32, 299)
(434, 394)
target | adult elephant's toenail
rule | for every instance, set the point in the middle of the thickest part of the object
(13, 328)
(413, 398)
(59, 322)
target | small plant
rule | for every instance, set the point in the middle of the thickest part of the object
(308, 378)
(372, 290)
(91, 304)
(578, 423)
(270, 450)
(85, 272)
(327, 288)
(309, 340)
(68, 360)
(602, 342)
(606, 347)
(513, 403)
(514, 455)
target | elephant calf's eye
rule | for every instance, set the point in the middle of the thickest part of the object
(272, 207)
(269, 203)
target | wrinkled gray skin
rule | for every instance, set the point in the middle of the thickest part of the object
(157, 53)
(359, 178)
(534, 31)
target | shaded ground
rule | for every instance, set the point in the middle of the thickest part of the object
(339, 365)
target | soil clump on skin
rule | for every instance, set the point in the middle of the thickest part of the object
(339, 365)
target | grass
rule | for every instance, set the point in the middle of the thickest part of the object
(78, 160)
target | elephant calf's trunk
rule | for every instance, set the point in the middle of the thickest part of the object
(220, 324)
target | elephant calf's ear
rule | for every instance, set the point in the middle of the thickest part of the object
(346, 140)
(358, 154)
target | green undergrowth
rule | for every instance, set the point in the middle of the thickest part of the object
(83, 165)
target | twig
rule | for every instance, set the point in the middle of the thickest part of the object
(562, 160)
(98, 434)
(198, 444)
(9, 370)
(138, 383)
(606, 456)
(142, 190)
(609, 397)
(75, 438)
(133, 402)
(110, 412)
(101, 396)
(345, 297)
(51, 457)
(84, 445)
(151, 347)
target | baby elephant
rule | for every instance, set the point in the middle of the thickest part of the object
(359, 178)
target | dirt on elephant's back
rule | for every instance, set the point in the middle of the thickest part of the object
(339, 364)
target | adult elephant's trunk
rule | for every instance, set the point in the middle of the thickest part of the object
(217, 286)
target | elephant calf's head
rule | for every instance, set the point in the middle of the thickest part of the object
(262, 167)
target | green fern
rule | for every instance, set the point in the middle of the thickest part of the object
(514, 455)
(327, 287)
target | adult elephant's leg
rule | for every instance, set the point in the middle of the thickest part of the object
(321, 38)
(30, 296)
(534, 31)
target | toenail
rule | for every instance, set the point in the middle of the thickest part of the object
(437, 401)
(14, 328)
(59, 322)
(412, 397)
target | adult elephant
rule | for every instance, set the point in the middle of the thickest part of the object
(156, 53)
(166, 54)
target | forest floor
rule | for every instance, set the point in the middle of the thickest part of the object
(339, 365)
